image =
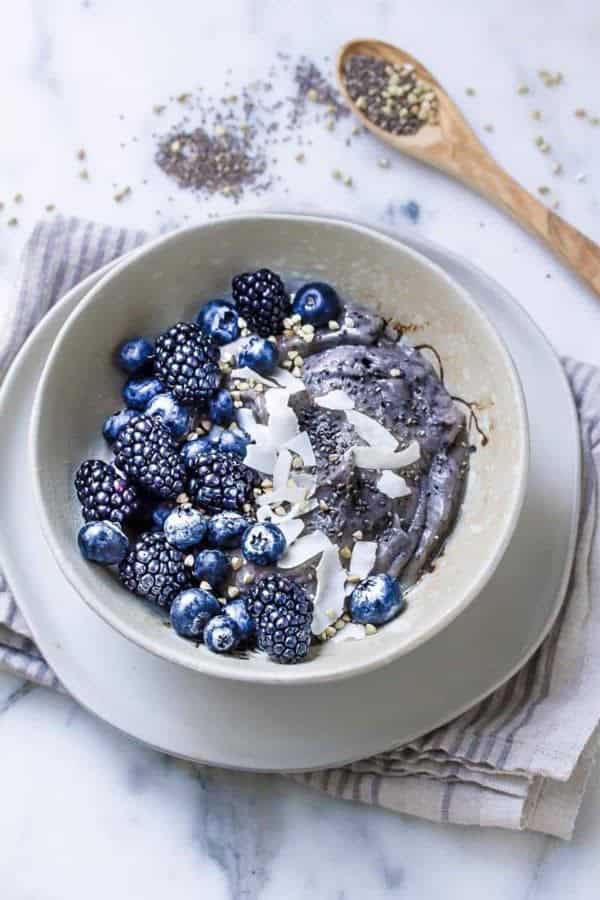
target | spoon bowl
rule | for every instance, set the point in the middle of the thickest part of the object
(452, 146)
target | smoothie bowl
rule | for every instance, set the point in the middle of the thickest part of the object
(318, 462)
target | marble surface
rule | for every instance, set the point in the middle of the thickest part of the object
(84, 810)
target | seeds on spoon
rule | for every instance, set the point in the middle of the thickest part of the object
(390, 95)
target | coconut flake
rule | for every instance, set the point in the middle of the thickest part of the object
(288, 381)
(292, 529)
(392, 485)
(350, 632)
(337, 399)
(329, 597)
(306, 481)
(376, 458)
(371, 431)
(304, 549)
(260, 458)
(283, 423)
(245, 419)
(302, 446)
(363, 558)
(245, 374)
(282, 469)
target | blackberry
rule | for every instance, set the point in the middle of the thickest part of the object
(221, 481)
(104, 494)
(154, 569)
(187, 363)
(262, 300)
(147, 453)
(283, 612)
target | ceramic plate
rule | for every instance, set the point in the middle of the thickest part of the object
(269, 727)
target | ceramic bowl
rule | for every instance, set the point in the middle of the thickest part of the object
(168, 281)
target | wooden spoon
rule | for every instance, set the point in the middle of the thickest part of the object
(453, 147)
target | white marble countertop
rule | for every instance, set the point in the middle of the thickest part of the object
(84, 811)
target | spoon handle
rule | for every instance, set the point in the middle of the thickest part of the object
(483, 174)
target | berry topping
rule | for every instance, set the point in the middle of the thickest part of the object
(135, 355)
(317, 303)
(262, 300)
(154, 569)
(184, 528)
(221, 481)
(176, 418)
(147, 453)
(212, 566)
(138, 392)
(237, 610)
(283, 612)
(115, 423)
(219, 321)
(376, 600)
(222, 634)
(188, 363)
(102, 542)
(104, 493)
(259, 354)
(191, 610)
(220, 408)
(263, 544)
(226, 529)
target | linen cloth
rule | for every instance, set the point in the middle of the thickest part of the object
(519, 759)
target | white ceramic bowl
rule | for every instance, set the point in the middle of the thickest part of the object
(168, 281)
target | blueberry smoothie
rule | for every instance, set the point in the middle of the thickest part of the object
(286, 466)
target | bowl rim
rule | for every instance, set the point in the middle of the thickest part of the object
(228, 667)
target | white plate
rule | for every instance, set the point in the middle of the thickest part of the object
(268, 728)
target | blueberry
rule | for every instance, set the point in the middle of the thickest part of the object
(376, 600)
(184, 528)
(263, 544)
(212, 566)
(220, 408)
(138, 392)
(236, 610)
(135, 355)
(317, 303)
(233, 442)
(191, 610)
(160, 513)
(222, 634)
(103, 543)
(259, 354)
(193, 449)
(173, 415)
(219, 321)
(225, 529)
(116, 422)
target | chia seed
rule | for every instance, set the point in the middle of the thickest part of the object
(223, 145)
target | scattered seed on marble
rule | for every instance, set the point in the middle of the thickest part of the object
(522, 89)
(13, 221)
(557, 169)
(470, 91)
(488, 127)
(543, 189)
(536, 115)
(18, 198)
(122, 194)
(580, 113)
(370, 629)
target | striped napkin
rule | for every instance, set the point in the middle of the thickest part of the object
(521, 758)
